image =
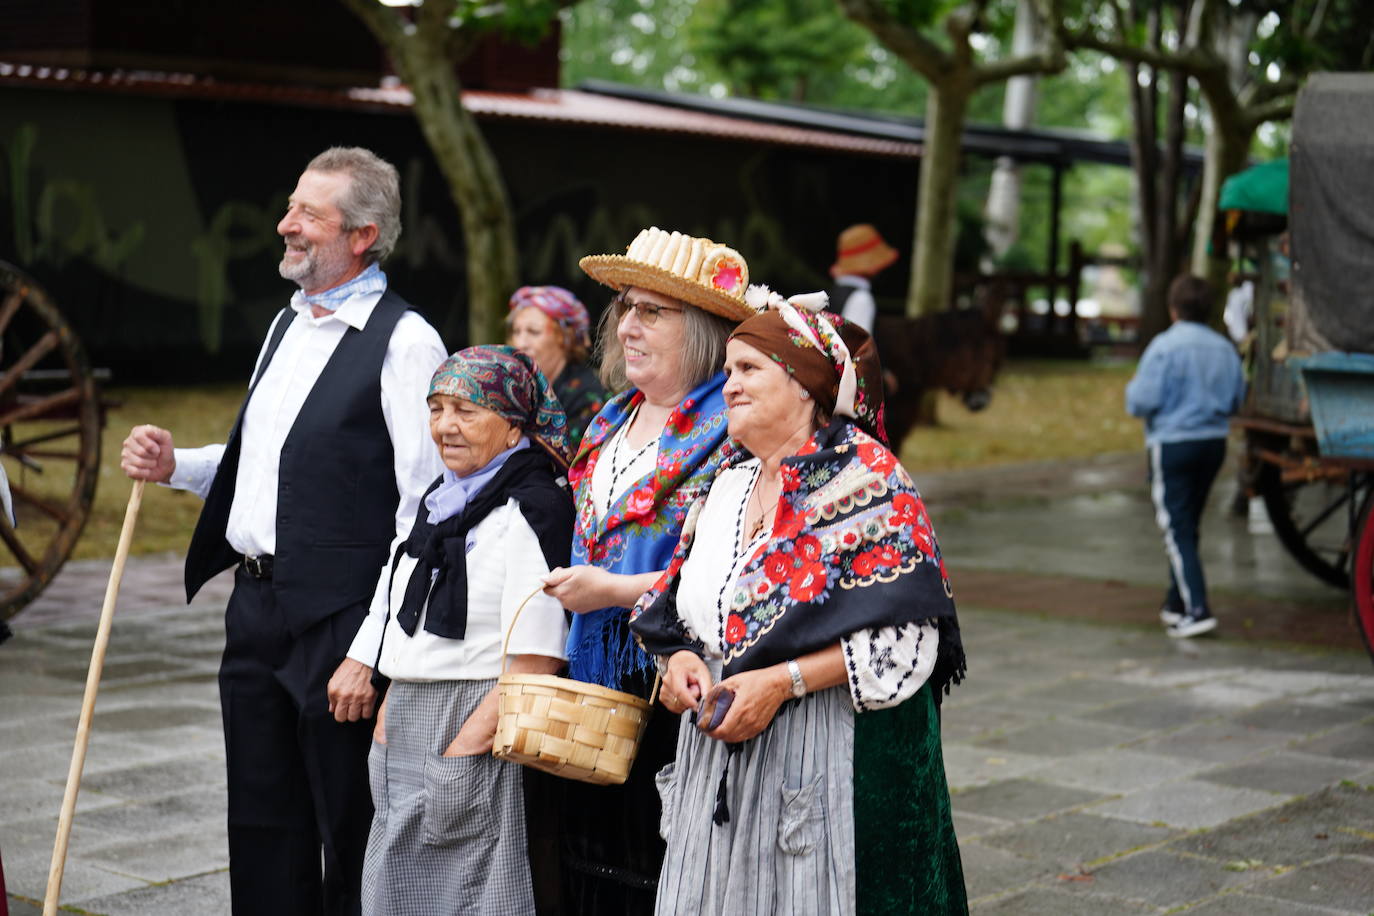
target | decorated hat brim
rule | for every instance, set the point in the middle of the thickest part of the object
(620, 273)
(865, 262)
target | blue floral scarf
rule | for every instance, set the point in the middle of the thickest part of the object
(641, 528)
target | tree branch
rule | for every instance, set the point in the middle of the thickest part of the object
(1275, 110)
(919, 52)
(1046, 61)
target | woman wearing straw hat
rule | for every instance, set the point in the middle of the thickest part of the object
(649, 453)
(807, 622)
(550, 325)
(448, 836)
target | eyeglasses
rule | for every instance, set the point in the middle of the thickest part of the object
(647, 313)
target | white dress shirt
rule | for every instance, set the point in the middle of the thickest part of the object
(412, 355)
(504, 565)
(859, 307)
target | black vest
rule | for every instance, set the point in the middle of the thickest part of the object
(336, 489)
(839, 294)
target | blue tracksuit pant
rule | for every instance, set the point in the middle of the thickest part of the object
(1181, 475)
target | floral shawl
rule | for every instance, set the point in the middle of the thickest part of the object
(851, 548)
(643, 525)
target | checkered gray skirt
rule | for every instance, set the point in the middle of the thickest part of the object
(448, 836)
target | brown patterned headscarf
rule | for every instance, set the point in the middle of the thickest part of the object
(833, 359)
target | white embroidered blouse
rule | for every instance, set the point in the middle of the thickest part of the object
(886, 665)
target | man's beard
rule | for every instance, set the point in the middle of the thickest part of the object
(318, 267)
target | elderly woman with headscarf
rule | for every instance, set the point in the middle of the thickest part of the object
(550, 325)
(645, 458)
(807, 626)
(448, 835)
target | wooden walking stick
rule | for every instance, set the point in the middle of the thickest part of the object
(83, 725)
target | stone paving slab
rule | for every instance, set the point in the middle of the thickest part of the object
(1243, 904)
(1117, 770)
(1164, 879)
(1346, 882)
(1071, 841)
(1334, 821)
(1022, 799)
(1189, 804)
(1040, 901)
(1286, 773)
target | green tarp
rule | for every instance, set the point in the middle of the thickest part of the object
(1262, 188)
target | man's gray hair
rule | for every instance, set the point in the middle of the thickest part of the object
(373, 195)
(703, 352)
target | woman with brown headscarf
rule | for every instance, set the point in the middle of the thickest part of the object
(807, 626)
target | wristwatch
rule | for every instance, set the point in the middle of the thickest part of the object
(798, 684)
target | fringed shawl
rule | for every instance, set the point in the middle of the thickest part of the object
(642, 526)
(851, 548)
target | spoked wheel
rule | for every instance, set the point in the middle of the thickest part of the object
(50, 422)
(1312, 520)
(1362, 577)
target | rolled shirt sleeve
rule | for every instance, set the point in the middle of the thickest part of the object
(195, 468)
(412, 356)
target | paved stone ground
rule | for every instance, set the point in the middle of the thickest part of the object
(1097, 767)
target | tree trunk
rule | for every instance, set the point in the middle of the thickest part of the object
(474, 181)
(1228, 144)
(936, 224)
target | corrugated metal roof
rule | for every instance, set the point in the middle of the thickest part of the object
(563, 106)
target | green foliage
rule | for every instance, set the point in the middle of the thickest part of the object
(793, 50)
(523, 20)
(775, 49)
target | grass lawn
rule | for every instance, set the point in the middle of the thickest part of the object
(1040, 411)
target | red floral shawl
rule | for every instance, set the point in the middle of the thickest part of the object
(851, 548)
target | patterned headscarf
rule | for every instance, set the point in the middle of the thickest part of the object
(835, 360)
(566, 310)
(506, 381)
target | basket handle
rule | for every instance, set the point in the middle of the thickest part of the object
(505, 643)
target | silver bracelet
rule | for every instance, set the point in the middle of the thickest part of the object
(798, 684)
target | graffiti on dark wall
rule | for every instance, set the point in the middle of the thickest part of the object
(159, 239)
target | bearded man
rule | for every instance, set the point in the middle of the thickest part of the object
(324, 467)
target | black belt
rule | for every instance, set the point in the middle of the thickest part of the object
(259, 567)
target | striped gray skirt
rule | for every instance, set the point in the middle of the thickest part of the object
(788, 846)
(448, 836)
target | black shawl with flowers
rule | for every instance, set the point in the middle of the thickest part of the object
(851, 548)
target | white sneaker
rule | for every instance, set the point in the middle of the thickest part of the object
(1169, 617)
(1191, 626)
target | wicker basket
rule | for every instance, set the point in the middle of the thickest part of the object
(569, 728)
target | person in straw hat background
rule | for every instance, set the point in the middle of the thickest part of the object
(860, 255)
(649, 453)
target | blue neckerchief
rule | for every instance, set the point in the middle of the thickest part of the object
(371, 280)
(642, 525)
(451, 496)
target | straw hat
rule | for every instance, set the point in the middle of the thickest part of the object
(697, 271)
(861, 250)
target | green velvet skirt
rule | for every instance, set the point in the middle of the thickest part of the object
(907, 860)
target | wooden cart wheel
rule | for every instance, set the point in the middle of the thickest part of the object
(50, 421)
(1362, 576)
(1311, 520)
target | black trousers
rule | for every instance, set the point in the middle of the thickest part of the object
(1181, 475)
(297, 779)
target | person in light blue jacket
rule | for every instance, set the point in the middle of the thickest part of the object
(1186, 388)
